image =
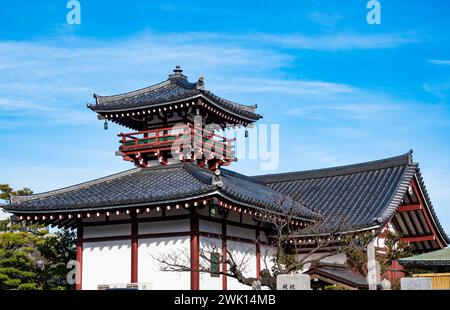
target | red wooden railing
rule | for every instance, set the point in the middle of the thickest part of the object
(165, 138)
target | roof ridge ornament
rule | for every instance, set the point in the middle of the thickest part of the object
(177, 73)
(410, 156)
(177, 70)
(200, 85)
(217, 179)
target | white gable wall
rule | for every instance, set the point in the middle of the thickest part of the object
(109, 261)
(106, 262)
(149, 268)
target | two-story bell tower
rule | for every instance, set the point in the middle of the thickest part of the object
(174, 121)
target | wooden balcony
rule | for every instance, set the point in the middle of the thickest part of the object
(187, 142)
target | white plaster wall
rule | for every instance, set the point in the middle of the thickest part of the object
(267, 252)
(171, 212)
(241, 232)
(263, 237)
(211, 227)
(149, 270)
(247, 219)
(210, 245)
(94, 218)
(380, 241)
(106, 262)
(107, 231)
(164, 227)
(234, 216)
(109, 262)
(245, 256)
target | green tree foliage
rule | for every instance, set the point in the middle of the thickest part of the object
(30, 258)
(355, 249)
(56, 252)
(6, 192)
(17, 260)
(35, 261)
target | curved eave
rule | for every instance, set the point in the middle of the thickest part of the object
(243, 114)
(130, 94)
(163, 202)
(445, 238)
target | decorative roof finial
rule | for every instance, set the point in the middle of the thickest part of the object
(217, 179)
(177, 70)
(200, 83)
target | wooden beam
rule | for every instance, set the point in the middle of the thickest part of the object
(258, 253)
(134, 249)
(418, 238)
(66, 222)
(425, 212)
(407, 208)
(224, 255)
(195, 248)
(78, 277)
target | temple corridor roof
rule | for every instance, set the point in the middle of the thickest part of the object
(158, 185)
(356, 197)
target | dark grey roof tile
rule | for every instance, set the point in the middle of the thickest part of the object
(157, 185)
(175, 88)
(354, 197)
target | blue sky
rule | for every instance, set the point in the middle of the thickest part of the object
(343, 91)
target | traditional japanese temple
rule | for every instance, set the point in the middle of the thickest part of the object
(179, 196)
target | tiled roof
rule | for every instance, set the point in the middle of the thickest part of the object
(355, 197)
(341, 274)
(435, 258)
(175, 88)
(162, 184)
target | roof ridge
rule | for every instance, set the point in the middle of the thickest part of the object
(248, 108)
(194, 170)
(243, 176)
(132, 93)
(400, 160)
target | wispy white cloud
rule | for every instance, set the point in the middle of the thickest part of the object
(284, 86)
(361, 111)
(341, 41)
(324, 19)
(440, 90)
(59, 75)
(11, 104)
(440, 62)
(318, 157)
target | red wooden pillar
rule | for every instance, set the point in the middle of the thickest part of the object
(258, 253)
(134, 249)
(195, 245)
(224, 255)
(79, 267)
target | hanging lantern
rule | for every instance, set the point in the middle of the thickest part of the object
(246, 132)
(212, 210)
(105, 125)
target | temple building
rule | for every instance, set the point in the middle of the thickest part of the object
(179, 196)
